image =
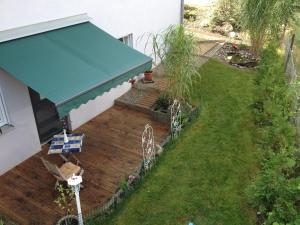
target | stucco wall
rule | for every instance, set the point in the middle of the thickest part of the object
(21, 141)
(117, 17)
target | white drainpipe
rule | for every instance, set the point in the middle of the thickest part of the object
(181, 11)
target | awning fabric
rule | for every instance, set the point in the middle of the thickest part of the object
(71, 65)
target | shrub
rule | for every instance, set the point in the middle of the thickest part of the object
(64, 198)
(190, 12)
(275, 191)
(227, 11)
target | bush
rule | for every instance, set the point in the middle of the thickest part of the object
(275, 191)
(190, 12)
(227, 11)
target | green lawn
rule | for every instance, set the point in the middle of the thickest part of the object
(202, 177)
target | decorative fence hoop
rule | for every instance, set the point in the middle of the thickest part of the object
(148, 147)
(176, 121)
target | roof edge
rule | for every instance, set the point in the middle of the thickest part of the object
(20, 32)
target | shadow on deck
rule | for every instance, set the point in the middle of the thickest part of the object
(111, 151)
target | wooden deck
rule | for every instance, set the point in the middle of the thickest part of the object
(111, 152)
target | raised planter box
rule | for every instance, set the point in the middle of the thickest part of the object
(157, 115)
(161, 116)
(165, 117)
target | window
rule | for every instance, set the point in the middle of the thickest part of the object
(3, 116)
(127, 40)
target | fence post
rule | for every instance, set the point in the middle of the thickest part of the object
(290, 49)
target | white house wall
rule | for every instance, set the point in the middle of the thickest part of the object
(117, 17)
(20, 141)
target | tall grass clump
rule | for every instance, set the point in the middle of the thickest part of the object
(176, 50)
(275, 192)
(267, 20)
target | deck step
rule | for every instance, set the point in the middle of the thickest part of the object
(213, 51)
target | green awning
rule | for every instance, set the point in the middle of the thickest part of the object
(71, 65)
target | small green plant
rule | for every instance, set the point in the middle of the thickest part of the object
(163, 102)
(64, 198)
(124, 185)
(1, 222)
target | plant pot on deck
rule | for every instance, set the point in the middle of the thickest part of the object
(148, 75)
(68, 220)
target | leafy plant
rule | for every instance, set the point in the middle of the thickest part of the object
(175, 49)
(163, 102)
(227, 11)
(124, 185)
(64, 198)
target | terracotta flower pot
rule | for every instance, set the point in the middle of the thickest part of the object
(148, 75)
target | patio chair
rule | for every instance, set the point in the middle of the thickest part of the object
(64, 172)
(69, 157)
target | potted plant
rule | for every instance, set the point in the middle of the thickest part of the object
(148, 75)
(64, 202)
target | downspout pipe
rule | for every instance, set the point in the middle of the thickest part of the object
(181, 11)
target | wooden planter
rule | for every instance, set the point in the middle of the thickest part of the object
(161, 116)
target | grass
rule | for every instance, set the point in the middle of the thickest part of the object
(202, 177)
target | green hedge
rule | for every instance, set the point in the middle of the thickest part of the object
(275, 192)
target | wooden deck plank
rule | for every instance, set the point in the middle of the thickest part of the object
(112, 150)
